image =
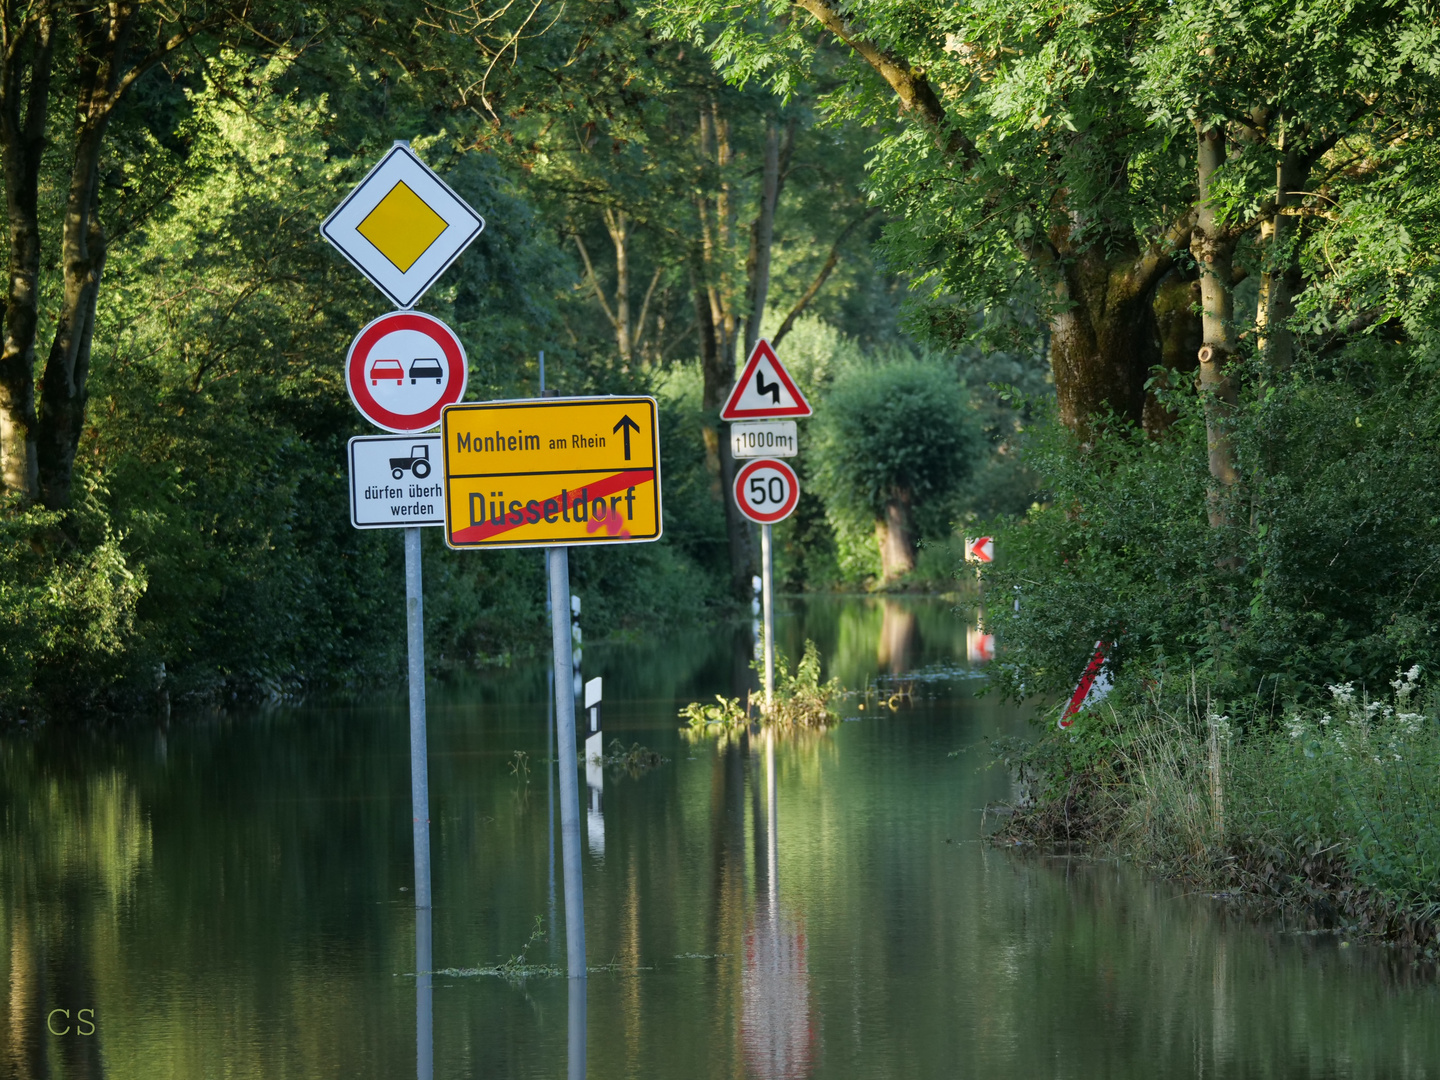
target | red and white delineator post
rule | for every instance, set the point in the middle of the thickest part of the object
(1093, 688)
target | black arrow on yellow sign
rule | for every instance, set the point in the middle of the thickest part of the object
(627, 425)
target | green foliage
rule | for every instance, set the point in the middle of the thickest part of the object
(1170, 780)
(1361, 773)
(801, 699)
(67, 610)
(725, 713)
(635, 760)
(1328, 572)
(900, 431)
(212, 555)
(893, 430)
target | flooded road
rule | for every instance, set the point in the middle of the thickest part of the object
(229, 897)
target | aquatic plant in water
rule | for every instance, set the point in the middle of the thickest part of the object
(801, 700)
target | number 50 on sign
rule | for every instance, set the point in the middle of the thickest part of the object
(767, 490)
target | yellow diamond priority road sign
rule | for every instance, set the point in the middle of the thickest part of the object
(551, 472)
(402, 226)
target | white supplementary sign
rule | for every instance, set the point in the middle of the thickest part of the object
(395, 481)
(403, 368)
(766, 491)
(765, 389)
(764, 438)
(402, 226)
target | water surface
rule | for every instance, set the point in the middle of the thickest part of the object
(230, 896)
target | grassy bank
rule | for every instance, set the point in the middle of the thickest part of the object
(1329, 815)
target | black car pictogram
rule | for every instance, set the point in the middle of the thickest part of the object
(426, 367)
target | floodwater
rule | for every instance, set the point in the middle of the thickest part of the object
(229, 897)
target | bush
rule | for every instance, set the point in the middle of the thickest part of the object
(1329, 572)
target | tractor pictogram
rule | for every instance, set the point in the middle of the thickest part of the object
(417, 464)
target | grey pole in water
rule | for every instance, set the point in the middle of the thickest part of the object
(424, 1013)
(767, 590)
(559, 560)
(550, 790)
(772, 870)
(419, 775)
(576, 1070)
(419, 808)
(549, 729)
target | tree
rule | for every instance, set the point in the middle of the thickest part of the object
(687, 182)
(90, 58)
(893, 440)
(1102, 160)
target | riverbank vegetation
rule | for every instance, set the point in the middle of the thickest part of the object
(1225, 220)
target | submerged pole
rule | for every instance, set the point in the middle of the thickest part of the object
(558, 559)
(424, 1010)
(767, 590)
(772, 849)
(419, 774)
(575, 1064)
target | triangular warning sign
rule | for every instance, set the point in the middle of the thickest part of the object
(765, 389)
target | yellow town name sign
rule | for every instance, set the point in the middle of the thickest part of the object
(553, 471)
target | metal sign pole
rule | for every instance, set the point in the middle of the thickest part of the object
(772, 829)
(424, 1010)
(419, 775)
(559, 566)
(549, 727)
(576, 1058)
(767, 590)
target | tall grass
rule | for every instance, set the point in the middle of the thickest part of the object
(1336, 807)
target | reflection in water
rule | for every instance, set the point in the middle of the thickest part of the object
(979, 646)
(424, 1005)
(575, 1042)
(895, 649)
(235, 898)
(777, 1030)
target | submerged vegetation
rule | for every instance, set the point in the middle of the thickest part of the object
(801, 700)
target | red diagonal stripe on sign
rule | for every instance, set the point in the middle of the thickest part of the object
(603, 487)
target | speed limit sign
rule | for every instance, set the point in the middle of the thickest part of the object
(767, 490)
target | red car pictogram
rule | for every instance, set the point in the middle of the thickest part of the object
(387, 370)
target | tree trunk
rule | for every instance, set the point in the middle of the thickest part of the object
(1213, 247)
(718, 373)
(618, 225)
(762, 235)
(1279, 280)
(64, 389)
(895, 533)
(1102, 338)
(23, 118)
(1180, 335)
